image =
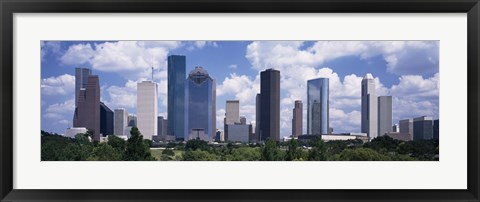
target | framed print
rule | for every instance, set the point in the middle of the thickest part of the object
(239, 101)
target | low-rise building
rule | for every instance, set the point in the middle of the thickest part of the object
(239, 133)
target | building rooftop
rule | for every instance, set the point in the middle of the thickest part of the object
(368, 76)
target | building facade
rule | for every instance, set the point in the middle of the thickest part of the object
(147, 108)
(396, 128)
(81, 78)
(423, 128)
(132, 120)
(239, 133)
(201, 105)
(318, 106)
(243, 120)
(232, 112)
(297, 119)
(258, 112)
(219, 137)
(162, 126)
(369, 107)
(384, 115)
(232, 115)
(87, 112)
(270, 105)
(121, 121)
(106, 120)
(406, 126)
(176, 95)
(436, 128)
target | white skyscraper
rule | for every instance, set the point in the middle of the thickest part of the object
(147, 108)
(369, 107)
(120, 121)
(232, 112)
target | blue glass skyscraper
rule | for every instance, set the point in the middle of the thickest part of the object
(318, 106)
(176, 96)
(200, 105)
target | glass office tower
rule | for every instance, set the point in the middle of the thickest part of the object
(318, 106)
(176, 96)
(200, 105)
(106, 120)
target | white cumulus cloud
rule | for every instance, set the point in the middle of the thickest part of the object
(60, 111)
(78, 54)
(60, 85)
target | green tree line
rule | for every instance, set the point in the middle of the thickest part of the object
(384, 148)
(80, 148)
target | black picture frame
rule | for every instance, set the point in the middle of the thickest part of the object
(10, 7)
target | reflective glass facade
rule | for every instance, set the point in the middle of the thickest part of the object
(106, 120)
(200, 105)
(318, 106)
(176, 96)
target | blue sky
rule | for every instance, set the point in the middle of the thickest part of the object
(406, 70)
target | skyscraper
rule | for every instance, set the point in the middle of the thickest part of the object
(106, 120)
(162, 126)
(369, 107)
(297, 119)
(176, 96)
(384, 115)
(147, 108)
(201, 105)
(423, 128)
(436, 128)
(318, 106)
(232, 112)
(270, 104)
(87, 112)
(232, 115)
(121, 121)
(258, 112)
(406, 126)
(81, 78)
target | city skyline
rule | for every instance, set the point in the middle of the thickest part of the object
(241, 82)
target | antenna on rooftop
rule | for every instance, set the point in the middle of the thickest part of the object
(152, 67)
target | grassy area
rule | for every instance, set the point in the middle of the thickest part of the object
(157, 153)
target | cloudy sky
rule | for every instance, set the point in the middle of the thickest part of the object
(406, 70)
